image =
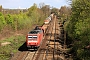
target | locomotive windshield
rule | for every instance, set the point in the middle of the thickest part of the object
(30, 37)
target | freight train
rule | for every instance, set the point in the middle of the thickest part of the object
(48, 19)
(34, 38)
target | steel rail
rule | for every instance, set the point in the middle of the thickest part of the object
(48, 44)
(43, 46)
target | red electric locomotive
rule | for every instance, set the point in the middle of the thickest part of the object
(34, 38)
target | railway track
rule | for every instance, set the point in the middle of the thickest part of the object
(48, 51)
(19, 56)
(53, 46)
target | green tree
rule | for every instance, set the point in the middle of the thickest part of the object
(35, 14)
(9, 19)
(32, 9)
(2, 21)
(79, 28)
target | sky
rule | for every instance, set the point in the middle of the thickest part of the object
(14, 4)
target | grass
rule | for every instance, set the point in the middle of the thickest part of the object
(16, 42)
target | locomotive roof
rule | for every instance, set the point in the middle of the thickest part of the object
(34, 31)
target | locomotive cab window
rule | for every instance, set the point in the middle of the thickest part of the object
(30, 37)
(34, 36)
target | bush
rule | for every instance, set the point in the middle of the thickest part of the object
(2, 21)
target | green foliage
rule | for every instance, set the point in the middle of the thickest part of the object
(18, 22)
(79, 28)
(9, 19)
(22, 20)
(2, 21)
(16, 42)
(35, 14)
(79, 21)
(32, 9)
